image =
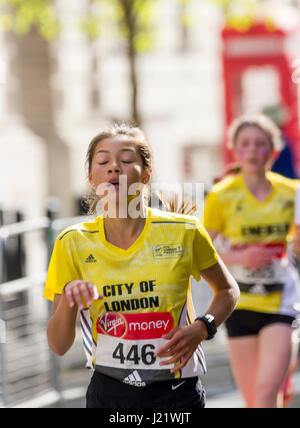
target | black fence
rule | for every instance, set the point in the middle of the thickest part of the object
(13, 251)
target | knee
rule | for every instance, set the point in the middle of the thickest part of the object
(265, 396)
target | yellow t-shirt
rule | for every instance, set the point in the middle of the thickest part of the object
(145, 291)
(233, 211)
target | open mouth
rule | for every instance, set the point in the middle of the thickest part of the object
(114, 182)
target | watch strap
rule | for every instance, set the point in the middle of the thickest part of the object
(209, 321)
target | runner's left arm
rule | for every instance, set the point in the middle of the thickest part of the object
(183, 341)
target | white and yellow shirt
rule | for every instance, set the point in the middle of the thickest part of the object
(145, 291)
(233, 211)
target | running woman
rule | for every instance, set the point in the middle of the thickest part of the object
(128, 275)
(254, 210)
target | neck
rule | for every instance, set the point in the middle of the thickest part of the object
(124, 224)
(258, 184)
(255, 180)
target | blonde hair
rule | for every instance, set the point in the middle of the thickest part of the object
(175, 204)
(262, 122)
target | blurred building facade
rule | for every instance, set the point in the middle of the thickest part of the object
(57, 97)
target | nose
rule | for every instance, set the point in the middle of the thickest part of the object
(252, 147)
(114, 169)
(114, 166)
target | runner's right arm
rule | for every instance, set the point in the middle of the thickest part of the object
(62, 324)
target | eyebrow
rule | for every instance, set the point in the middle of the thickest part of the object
(122, 150)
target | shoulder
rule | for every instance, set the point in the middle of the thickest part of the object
(285, 183)
(225, 190)
(229, 183)
(166, 217)
(79, 230)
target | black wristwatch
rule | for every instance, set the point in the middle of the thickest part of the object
(209, 321)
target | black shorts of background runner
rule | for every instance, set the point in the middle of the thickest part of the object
(248, 323)
(104, 392)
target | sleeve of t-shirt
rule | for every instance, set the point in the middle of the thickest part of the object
(62, 268)
(213, 218)
(204, 254)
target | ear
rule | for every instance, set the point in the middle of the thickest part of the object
(275, 155)
(147, 176)
(91, 181)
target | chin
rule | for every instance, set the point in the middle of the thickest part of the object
(252, 169)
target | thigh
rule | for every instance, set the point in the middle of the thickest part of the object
(275, 350)
(244, 360)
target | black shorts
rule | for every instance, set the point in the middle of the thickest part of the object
(105, 392)
(249, 323)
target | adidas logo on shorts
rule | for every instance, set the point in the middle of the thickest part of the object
(134, 379)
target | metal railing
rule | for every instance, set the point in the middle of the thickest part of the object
(28, 368)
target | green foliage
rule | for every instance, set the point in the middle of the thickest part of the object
(132, 19)
(239, 14)
(187, 20)
(92, 26)
(20, 16)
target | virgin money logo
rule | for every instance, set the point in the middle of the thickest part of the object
(112, 324)
(152, 325)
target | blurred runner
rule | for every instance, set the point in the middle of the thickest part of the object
(254, 210)
(288, 387)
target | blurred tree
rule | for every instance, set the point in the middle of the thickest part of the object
(186, 21)
(20, 16)
(133, 21)
(30, 26)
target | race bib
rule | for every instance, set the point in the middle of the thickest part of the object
(129, 341)
(275, 272)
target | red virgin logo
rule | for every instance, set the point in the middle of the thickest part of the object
(112, 324)
(135, 326)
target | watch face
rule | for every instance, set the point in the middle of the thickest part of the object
(209, 321)
(211, 325)
(209, 318)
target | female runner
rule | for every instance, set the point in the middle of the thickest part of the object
(254, 210)
(127, 272)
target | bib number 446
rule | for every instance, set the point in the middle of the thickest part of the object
(135, 354)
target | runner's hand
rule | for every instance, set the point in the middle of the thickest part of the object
(182, 343)
(81, 293)
(257, 257)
